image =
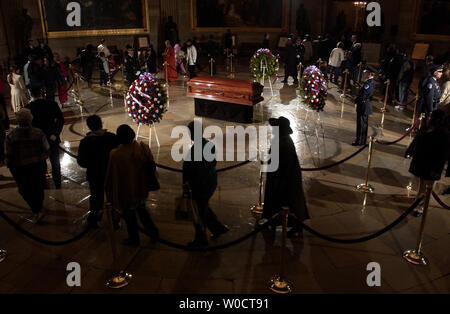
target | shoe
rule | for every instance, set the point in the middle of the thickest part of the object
(131, 242)
(198, 243)
(400, 107)
(356, 143)
(418, 213)
(217, 235)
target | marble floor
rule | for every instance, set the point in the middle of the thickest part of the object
(313, 265)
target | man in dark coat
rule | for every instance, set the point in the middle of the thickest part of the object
(291, 63)
(93, 154)
(284, 187)
(87, 61)
(48, 117)
(201, 178)
(364, 107)
(53, 78)
(132, 66)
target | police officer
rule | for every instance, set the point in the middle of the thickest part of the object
(132, 66)
(431, 92)
(364, 107)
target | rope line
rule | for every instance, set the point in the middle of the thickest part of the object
(440, 202)
(364, 239)
(401, 138)
(44, 241)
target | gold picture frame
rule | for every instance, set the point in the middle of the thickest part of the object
(283, 28)
(103, 32)
(424, 37)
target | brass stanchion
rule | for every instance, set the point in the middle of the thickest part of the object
(384, 109)
(121, 279)
(278, 283)
(110, 91)
(3, 255)
(212, 61)
(359, 72)
(366, 187)
(257, 210)
(166, 65)
(343, 96)
(299, 74)
(413, 122)
(231, 63)
(416, 256)
(422, 118)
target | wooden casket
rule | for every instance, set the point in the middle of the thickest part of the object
(225, 99)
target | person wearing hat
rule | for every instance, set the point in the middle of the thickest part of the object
(431, 93)
(26, 151)
(284, 187)
(364, 107)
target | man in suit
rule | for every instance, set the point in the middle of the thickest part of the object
(48, 117)
(131, 66)
(364, 107)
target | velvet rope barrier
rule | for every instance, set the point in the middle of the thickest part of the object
(44, 241)
(401, 138)
(363, 239)
(440, 202)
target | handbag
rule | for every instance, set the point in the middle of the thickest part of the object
(151, 179)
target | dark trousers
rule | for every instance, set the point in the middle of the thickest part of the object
(31, 182)
(335, 73)
(403, 92)
(103, 78)
(55, 162)
(145, 218)
(290, 71)
(362, 128)
(207, 219)
(97, 199)
(191, 69)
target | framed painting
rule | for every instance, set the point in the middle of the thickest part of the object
(431, 20)
(94, 18)
(240, 15)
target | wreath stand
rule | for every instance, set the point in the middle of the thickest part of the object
(317, 123)
(150, 136)
(263, 69)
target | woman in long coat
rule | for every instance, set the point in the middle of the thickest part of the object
(169, 57)
(284, 187)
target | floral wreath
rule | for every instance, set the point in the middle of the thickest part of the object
(314, 88)
(146, 100)
(264, 57)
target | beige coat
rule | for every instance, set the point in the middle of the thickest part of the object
(125, 184)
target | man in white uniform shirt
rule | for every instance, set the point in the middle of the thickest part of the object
(103, 48)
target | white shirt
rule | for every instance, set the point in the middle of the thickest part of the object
(102, 48)
(191, 55)
(336, 57)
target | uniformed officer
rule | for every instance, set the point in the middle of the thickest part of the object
(431, 92)
(132, 66)
(364, 107)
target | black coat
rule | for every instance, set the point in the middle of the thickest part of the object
(363, 100)
(285, 187)
(47, 116)
(132, 66)
(151, 62)
(430, 152)
(93, 154)
(291, 57)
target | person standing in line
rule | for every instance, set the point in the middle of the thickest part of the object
(62, 92)
(88, 63)
(126, 185)
(26, 151)
(132, 66)
(308, 50)
(49, 118)
(53, 78)
(191, 58)
(290, 63)
(284, 187)
(169, 58)
(103, 68)
(18, 90)
(364, 107)
(93, 154)
(151, 60)
(180, 57)
(404, 81)
(429, 152)
(337, 56)
(200, 180)
(103, 48)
